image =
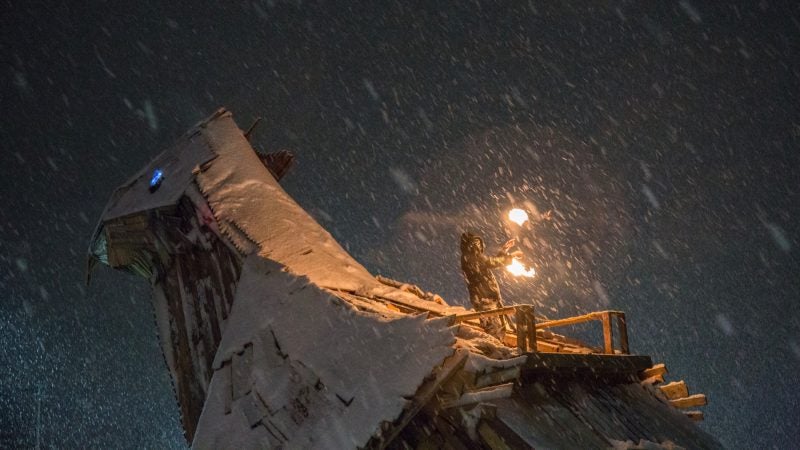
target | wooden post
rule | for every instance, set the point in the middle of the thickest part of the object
(623, 333)
(522, 331)
(608, 337)
(526, 329)
(531, 329)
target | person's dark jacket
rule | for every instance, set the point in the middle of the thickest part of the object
(477, 268)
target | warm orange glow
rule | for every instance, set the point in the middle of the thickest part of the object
(518, 216)
(517, 269)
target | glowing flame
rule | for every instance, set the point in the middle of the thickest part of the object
(519, 270)
(518, 216)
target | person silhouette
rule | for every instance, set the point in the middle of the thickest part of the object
(484, 292)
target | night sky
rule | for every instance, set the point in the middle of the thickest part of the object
(664, 136)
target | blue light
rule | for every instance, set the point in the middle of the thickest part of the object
(155, 181)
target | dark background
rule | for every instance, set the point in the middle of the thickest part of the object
(663, 135)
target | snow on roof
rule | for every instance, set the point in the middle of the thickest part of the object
(176, 164)
(247, 199)
(302, 368)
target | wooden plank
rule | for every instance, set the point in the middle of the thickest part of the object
(491, 313)
(567, 321)
(675, 390)
(552, 363)
(543, 346)
(482, 395)
(655, 379)
(491, 438)
(658, 369)
(695, 416)
(449, 433)
(690, 401)
(597, 315)
(498, 377)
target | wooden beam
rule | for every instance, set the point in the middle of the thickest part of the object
(497, 377)
(658, 369)
(655, 379)
(491, 438)
(477, 315)
(496, 435)
(690, 401)
(588, 364)
(675, 390)
(696, 416)
(482, 395)
(577, 319)
(567, 321)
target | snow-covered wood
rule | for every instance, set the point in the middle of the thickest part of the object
(675, 390)
(360, 368)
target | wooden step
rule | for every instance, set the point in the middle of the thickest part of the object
(690, 401)
(658, 369)
(675, 390)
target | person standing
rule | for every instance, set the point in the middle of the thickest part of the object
(484, 292)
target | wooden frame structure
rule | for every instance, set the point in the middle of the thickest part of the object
(527, 326)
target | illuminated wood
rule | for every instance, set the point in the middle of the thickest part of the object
(656, 379)
(658, 369)
(675, 390)
(690, 401)
(498, 377)
(482, 395)
(567, 321)
(480, 314)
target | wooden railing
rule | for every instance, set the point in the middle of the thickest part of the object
(527, 326)
(605, 317)
(526, 323)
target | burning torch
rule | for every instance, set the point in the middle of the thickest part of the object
(517, 268)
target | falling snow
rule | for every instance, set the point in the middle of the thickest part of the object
(662, 136)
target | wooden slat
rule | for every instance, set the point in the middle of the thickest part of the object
(696, 416)
(675, 390)
(479, 314)
(567, 321)
(655, 379)
(482, 395)
(575, 320)
(690, 401)
(449, 433)
(658, 369)
(498, 377)
(491, 438)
